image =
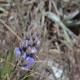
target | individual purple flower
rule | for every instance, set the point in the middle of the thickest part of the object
(34, 50)
(28, 60)
(24, 43)
(29, 50)
(25, 67)
(17, 52)
(24, 56)
(27, 63)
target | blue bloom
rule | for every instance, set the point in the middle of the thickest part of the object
(25, 67)
(24, 55)
(34, 50)
(27, 63)
(29, 47)
(29, 50)
(17, 52)
(27, 39)
(24, 43)
(30, 59)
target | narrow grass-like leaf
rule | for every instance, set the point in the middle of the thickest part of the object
(3, 70)
(72, 23)
(7, 70)
(72, 15)
(7, 77)
(11, 55)
(66, 35)
(0, 63)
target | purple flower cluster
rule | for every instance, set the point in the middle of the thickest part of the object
(24, 53)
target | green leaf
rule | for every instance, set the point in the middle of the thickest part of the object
(56, 19)
(3, 70)
(2, 9)
(11, 55)
(53, 17)
(72, 15)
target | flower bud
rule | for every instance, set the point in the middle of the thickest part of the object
(29, 50)
(28, 35)
(30, 42)
(24, 43)
(37, 42)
